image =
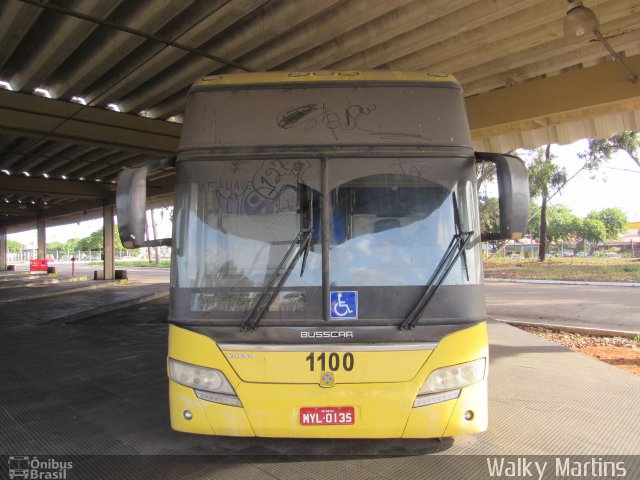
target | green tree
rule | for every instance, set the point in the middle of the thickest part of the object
(533, 226)
(71, 246)
(489, 213)
(14, 246)
(600, 151)
(485, 173)
(561, 224)
(613, 219)
(546, 179)
(489, 216)
(95, 241)
(55, 246)
(592, 230)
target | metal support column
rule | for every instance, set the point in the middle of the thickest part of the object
(109, 264)
(42, 239)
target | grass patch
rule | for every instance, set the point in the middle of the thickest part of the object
(572, 269)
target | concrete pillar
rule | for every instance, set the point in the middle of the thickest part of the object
(42, 239)
(109, 263)
(3, 249)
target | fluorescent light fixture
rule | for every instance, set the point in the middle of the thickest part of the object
(6, 172)
(45, 175)
(79, 100)
(26, 174)
(175, 119)
(114, 107)
(6, 85)
(42, 92)
(146, 113)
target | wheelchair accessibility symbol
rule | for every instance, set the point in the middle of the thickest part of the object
(344, 305)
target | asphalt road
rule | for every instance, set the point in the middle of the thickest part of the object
(589, 306)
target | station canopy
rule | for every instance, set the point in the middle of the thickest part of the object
(88, 87)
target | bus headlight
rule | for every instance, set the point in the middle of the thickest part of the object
(210, 384)
(450, 380)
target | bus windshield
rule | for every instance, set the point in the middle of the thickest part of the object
(247, 227)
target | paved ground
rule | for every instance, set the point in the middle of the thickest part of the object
(590, 306)
(97, 386)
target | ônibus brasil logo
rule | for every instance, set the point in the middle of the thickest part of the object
(32, 468)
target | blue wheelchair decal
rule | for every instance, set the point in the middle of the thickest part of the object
(344, 305)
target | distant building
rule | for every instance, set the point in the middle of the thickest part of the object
(633, 229)
(629, 242)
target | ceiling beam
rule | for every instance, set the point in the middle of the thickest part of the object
(576, 95)
(53, 215)
(88, 206)
(35, 116)
(14, 185)
(18, 210)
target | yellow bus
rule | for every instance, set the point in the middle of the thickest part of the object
(326, 277)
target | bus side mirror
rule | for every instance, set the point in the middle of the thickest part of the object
(513, 190)
(131, 207)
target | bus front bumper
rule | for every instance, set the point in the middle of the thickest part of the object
(380, 411)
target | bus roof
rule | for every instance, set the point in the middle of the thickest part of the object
(326, 77)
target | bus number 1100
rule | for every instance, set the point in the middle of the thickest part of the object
(333, 361)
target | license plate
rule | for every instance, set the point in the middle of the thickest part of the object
(327, 416)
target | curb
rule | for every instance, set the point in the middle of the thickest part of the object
(36, 296)
(562, 282)
(600, 332)
(24, 280)
(79, 316)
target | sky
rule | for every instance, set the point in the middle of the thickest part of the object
(614, 185)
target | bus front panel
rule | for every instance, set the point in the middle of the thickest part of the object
(306, 406)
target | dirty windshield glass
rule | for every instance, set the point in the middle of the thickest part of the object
(240, 224)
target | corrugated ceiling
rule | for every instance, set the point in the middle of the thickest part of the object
(141, 57)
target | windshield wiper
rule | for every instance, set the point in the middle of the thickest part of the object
(454, 250)
(270, 291)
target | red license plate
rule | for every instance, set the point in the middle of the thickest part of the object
(327, 416)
